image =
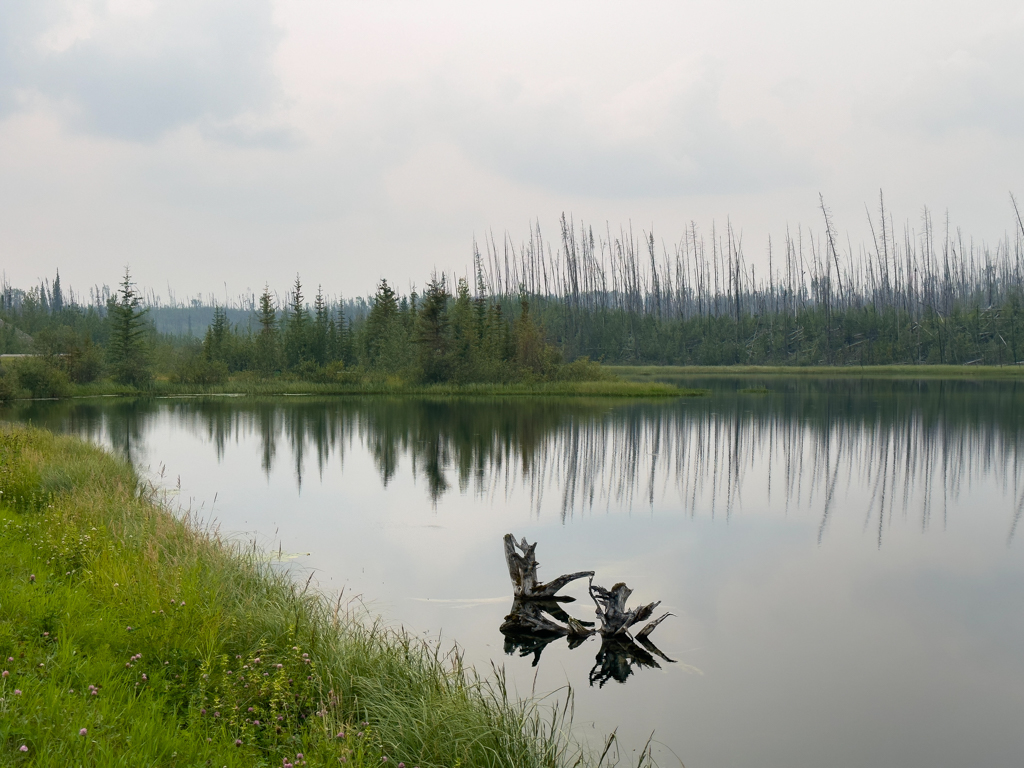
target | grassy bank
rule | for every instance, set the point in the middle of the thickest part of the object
(130, 637)
(641, 372)
(284, 386)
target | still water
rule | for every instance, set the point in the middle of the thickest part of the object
(842, 559)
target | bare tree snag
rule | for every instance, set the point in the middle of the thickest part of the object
(615, 619)
(522, 569)
(536, 618)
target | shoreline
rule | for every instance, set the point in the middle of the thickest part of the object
(128, 628)
(258, 388)
(826, 371)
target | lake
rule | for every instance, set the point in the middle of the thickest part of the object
(842, 559)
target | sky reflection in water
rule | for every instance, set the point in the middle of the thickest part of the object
(843, 561)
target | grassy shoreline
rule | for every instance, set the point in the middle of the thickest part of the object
(834, 371)
(131, 636)
(263, 387)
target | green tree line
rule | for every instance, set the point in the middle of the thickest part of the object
(439, 336)
(433, 337)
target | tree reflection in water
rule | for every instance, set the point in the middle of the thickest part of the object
(915, 445)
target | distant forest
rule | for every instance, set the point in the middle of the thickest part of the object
(530, 311)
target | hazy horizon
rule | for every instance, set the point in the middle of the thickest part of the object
(218, 146)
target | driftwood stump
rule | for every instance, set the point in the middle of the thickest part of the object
(615, 619)
(531, 625)
(536, 618)
(522, 569)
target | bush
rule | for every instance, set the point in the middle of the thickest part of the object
(84, 363)
(71, 352)
(332, 373)
(7, 386)
(199, 371)
(42, 378)
(582, 369)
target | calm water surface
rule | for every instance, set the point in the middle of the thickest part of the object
(842, 559)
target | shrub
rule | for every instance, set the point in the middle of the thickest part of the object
(7, 386)
(582, 369)
(42, 378)
(332, 373)
(199, 371)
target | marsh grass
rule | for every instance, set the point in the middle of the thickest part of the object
(172, 647)
(644, 372)
(391, 386)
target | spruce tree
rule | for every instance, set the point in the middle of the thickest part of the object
(384, 336)
(56, 296)
(216, 340)
(465, 336)
(321, 331)
(128, 351)
(296, 335)
(433, 333)
(267, 352)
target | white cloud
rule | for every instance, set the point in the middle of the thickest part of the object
(137, 70)
(975, 87)
(662, 137)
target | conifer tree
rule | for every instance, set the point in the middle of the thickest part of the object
(267, 352)
(216, 340)
(533, 354)
(465, 336)
(385, 338)
(128, 351)
(433, 333)
(56, 296)
(319, 341)
(296, 336)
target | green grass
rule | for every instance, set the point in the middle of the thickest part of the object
(282, 386)
(171, 647)
(834, 371)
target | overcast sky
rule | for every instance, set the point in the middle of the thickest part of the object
(206, 142)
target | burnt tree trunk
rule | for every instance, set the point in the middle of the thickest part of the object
(615, 618)
(522, 569)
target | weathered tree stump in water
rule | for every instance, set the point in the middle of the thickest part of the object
(536, 618)
(615, 619)
(526, 627)
(522, 569)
